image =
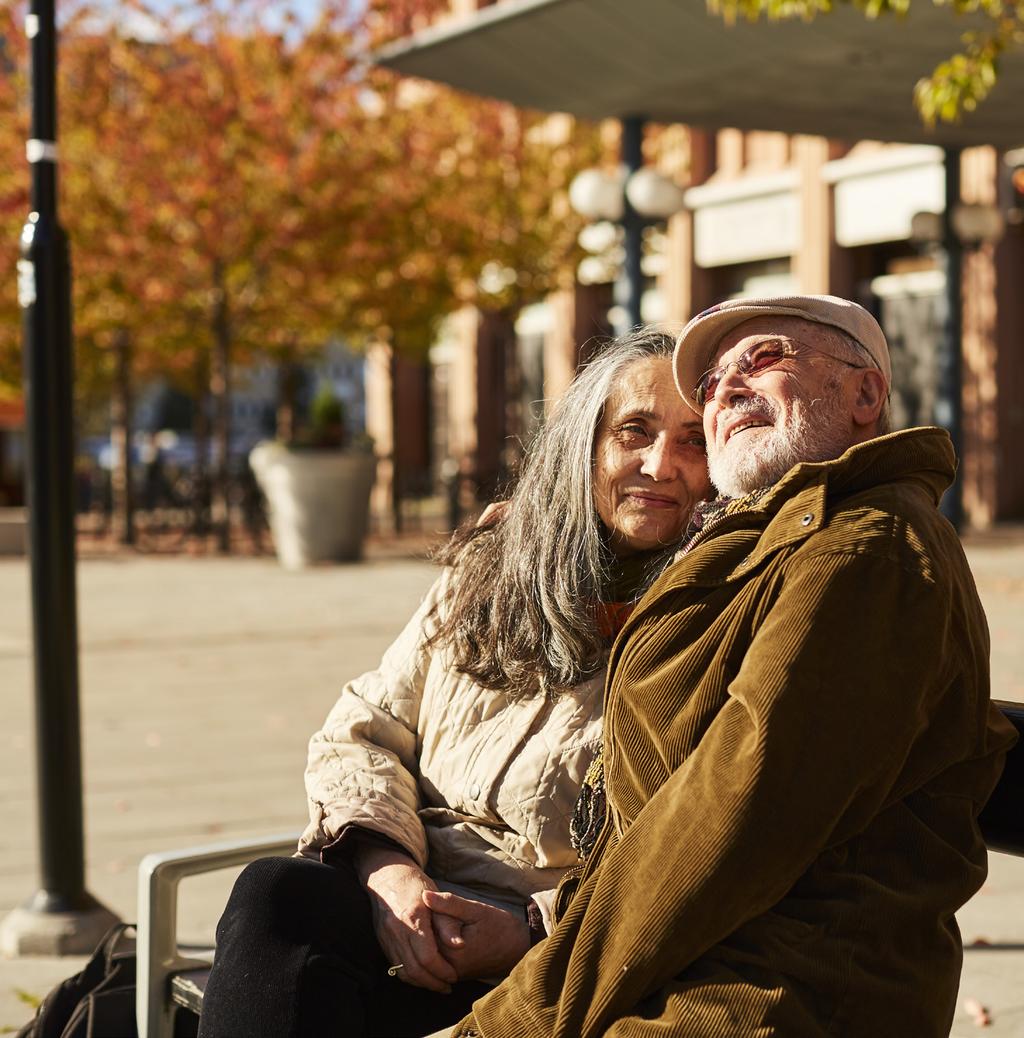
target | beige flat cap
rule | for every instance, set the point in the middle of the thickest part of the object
(699, 340)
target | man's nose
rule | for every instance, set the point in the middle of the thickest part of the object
(732, 383)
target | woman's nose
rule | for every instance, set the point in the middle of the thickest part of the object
(659, 460)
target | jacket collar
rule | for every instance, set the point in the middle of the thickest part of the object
(795, 507)
(923, 456)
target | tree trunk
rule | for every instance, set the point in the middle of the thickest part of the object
(289, 377)
(220, 392)
(201, 435)
(396, 460)
(120, 440)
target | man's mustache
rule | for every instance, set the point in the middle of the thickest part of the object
(759, 405)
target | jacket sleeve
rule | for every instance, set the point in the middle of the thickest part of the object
(819, 734)
(363, 764)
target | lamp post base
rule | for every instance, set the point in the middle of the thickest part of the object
(31, 931)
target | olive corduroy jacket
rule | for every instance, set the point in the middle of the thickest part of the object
(798, 741)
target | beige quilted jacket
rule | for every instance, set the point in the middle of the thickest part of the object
(479, 789)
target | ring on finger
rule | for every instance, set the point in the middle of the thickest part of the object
(393, 970)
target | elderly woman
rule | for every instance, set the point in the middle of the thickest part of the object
(442, 784)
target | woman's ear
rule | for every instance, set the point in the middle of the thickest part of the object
(871, 395)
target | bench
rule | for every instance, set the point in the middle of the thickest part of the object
(1002, 821)
(167, 979)
(170, 981)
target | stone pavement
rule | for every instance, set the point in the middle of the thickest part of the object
(202, 679)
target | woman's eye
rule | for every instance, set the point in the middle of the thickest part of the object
(693, 441)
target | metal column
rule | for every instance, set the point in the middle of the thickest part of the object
(630, 285)
(949, 397)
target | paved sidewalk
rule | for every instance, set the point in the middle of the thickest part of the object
(203, 678)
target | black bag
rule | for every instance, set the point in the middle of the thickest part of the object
(99, 1002)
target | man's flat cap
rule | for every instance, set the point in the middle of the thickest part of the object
(698, 341)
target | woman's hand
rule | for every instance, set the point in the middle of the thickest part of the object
(493, 513)
(401, 918)
(490, 940)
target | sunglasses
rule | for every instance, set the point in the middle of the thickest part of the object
(756, 360)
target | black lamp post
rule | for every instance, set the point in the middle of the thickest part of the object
(61, 917)
(947, 236)
(635, 198)
(950, 366)
(629, 288)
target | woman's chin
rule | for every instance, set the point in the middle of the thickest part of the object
(634, 541)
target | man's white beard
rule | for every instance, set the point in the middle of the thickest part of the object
(814, 432)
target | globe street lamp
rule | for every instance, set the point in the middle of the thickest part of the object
(633, 197)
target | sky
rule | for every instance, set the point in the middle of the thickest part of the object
(138, 26)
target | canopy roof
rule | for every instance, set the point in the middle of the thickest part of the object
(841, 76)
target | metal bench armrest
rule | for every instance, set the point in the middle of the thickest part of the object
(1002, 821)
(157, 945)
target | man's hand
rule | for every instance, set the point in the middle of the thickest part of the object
(489, 941)
(401, 918)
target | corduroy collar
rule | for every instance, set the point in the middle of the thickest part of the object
(924, 455)
(795, 507)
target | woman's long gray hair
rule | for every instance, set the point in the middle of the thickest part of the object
(520, 613)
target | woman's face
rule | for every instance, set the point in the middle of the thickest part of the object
(650, 466)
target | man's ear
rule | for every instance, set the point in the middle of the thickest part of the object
(871, 395)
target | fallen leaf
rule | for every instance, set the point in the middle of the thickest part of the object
(27, 997)
(980, 1015)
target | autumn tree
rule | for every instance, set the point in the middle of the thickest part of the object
(473, 186)
(241, 114)
(14, 187)
(104, 207)
(121, 291)
(241, 183)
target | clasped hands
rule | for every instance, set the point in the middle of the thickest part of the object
(439, 938)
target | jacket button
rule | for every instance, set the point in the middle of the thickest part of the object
(807, 519)
(474, 792)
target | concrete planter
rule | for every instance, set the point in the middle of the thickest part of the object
(319, 501)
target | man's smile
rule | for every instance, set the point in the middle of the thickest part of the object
(742, 424)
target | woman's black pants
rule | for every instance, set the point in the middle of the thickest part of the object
(297, 958)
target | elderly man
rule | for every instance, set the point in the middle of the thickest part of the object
(799, 736)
